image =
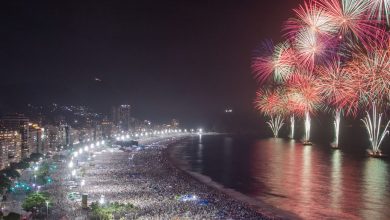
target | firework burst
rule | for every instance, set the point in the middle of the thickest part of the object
(303, 94)
(334, 82)
(371, 74)
(336, 53)
(272, 104)
(275, 123)
(263, 63)
(312, 17)
(373, 126)
(379, 9)
(351, 19)
(313, 49)
(285, 58)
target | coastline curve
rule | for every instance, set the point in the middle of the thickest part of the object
(260, 207)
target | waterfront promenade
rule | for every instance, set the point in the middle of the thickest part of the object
(146, 179)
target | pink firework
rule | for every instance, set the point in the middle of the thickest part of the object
(379, 9)
(270, 101)
(311, 17)
(371, 69)
(263, 63)
(333, 82)
(285, 58)
(351, 19)
(312, 48)
(304, 94)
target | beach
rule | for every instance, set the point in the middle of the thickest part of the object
(147, 179)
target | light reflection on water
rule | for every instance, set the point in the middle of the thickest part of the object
(311, 181)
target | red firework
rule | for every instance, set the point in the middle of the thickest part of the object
(270, 101)
(334, 83)
(312, 48)
(371, 72)
(312, 17)
(263, 64)
(351, 20)
(303, 93)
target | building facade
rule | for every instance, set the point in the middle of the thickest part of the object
(19, 123)
(121, 117)
(10, 148)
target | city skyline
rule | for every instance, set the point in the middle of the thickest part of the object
(189, 61)
(245, 109)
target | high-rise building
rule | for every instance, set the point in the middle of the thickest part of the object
(86, 135)
(3, 154)
(45, 141)
(35, 139)
(175, 123)
(74, 136)
(106, 128)
(121, 117)
(64, 131)
(98, 132)
(19, 123)
(10, 147)
(52, 134)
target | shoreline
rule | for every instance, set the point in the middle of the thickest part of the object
(147, 179)
(264, 210)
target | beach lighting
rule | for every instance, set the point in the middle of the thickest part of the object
(70, 165)
(102, 200)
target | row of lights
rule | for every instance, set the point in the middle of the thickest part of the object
(79, 152)
(166, 131)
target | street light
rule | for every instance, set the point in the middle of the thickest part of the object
(47, 209)
(70, 164)
(101, 201)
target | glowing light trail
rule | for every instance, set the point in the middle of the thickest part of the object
(292, 126)
(373, 126)
(337, 119)
(307, 128)
(275, 123)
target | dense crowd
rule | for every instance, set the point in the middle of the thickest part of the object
(146, 179)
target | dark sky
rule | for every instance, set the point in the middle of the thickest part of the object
(177, 58)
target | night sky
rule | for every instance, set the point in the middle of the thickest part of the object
(184, 59)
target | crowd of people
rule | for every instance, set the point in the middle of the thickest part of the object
(146, 179)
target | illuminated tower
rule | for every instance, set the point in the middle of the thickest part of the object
(121, 116)
(19, 123)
